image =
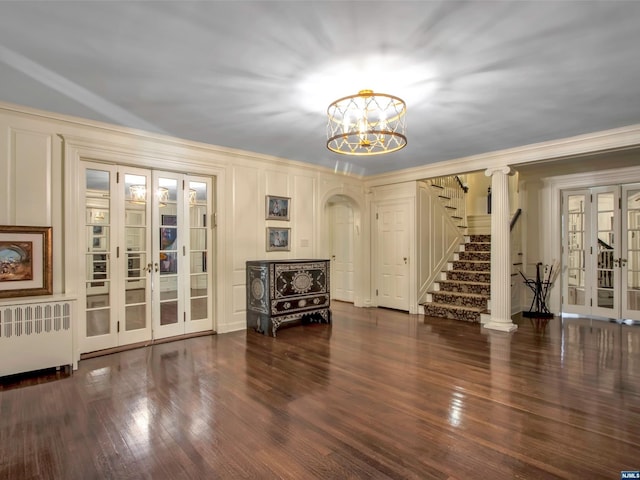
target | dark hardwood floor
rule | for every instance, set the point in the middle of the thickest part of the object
(379, 394)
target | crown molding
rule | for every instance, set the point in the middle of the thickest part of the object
(156, 145)
(597, 142)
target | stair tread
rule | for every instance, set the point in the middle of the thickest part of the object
(454, 307)
(458, 294)
(467, 271)
(471, 260)
(464, 282)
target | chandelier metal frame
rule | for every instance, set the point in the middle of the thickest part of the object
(366, 124)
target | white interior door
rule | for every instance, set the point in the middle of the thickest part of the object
(605, 252)
(601, 252)
(134, 256)
(393, 254)
(630, 261)
(147, 264)
(99, 325)
(182, 290)
(116, 246)
(342, 271)
(576, 221)
(168, 253)
(199, 288)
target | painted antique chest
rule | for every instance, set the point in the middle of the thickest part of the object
(282, 291)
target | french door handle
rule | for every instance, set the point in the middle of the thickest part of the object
(156, 267)
(616, 262)
(149, 267)
(623, 262)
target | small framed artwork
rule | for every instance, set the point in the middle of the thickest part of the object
(278, 239)
(169, 220)
(277, 208)
(25, 261)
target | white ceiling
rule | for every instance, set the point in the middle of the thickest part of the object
(477, 76)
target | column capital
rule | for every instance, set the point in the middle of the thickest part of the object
(505, 170)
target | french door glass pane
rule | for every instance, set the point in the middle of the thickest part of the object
(168, 313)
(97, 256)
(605, 249)
(576, 249)
(633, 249)
(136, 317)
(198, 308)
(98, 322)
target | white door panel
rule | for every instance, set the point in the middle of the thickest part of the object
(630, 260)
(117, 247)
(342, 270)
(146, 264)
(393, 255)
(605, 269)
(601, 252)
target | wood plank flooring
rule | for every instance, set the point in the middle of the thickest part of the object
(379, 394)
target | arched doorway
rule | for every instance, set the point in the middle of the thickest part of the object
(343, 245)
(340, 216)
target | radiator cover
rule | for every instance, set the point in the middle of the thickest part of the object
(35, 335)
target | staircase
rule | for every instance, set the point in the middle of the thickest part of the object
(451, 191)
(465, 287)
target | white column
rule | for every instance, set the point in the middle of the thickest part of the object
(500, 252)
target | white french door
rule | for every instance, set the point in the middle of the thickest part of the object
(600, 252)
(116, 257)
(630, 262)
(182, 290)
(146, 243)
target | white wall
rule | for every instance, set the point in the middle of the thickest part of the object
(39, 185)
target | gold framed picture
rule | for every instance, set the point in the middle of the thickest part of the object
(25, 261)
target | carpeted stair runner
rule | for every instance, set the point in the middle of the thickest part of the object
(464, 289)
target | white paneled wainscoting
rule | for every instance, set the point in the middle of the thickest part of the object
(36, 333)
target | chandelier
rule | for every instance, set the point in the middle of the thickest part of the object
(366, 124)
(193, 196)
(138, 194)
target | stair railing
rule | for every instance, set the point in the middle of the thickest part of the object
(517, 263)
(453, 196)
(514, 219)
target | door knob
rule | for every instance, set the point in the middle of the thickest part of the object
(405, 260)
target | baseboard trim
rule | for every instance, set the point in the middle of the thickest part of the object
(133, 346)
